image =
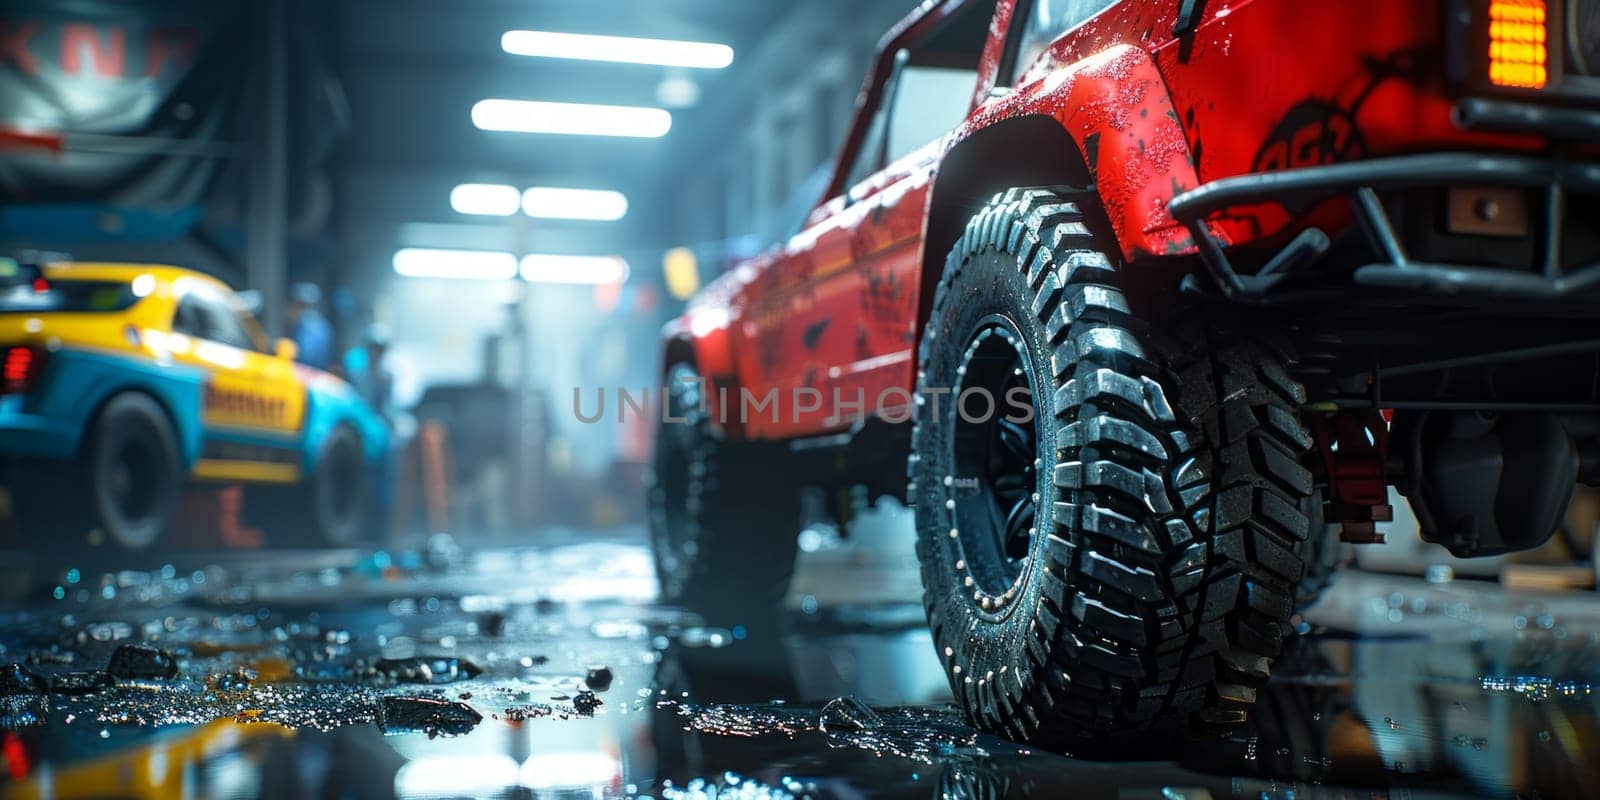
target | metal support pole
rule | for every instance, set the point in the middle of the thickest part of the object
(524, 472)
(266, 228)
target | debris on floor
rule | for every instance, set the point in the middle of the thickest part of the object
(267, 657)
(428, 715)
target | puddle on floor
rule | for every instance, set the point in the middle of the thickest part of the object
(371, 684)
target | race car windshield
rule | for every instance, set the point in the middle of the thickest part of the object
(67, 296)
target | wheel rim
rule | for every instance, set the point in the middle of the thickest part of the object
(994, 488)
(343, 487)
(131, 481)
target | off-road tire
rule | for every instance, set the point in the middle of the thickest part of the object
(1160, 575)
(327, 508)
(722, 526)
(120, 490)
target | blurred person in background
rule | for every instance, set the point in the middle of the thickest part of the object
(310, 330)
(365, 368)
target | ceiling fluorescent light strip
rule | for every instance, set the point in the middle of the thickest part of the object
(617, 49)
(589, 204)
(573, 119)
(478, 265)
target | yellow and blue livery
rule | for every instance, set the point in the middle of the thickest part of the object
(119, 382)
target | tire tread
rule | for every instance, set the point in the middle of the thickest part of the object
(1169, 583)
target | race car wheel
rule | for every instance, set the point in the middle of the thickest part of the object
(122, 488)
(134, 471)
(721, 527)
(1123, 559)
(327, 508)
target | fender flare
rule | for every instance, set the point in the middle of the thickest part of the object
(702, 336)
(1107, 122)
(97, 377)
(331, 404)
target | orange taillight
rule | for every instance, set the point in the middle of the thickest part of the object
(1518, 53)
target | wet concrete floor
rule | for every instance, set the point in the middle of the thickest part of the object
(548, 670)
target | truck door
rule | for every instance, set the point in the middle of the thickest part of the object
(835, 312)
(923, 104)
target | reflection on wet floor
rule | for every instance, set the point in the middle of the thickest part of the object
(549, 672)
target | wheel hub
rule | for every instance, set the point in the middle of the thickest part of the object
(129, 479)
(994, 490)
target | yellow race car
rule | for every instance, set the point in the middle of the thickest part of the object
(119, 382)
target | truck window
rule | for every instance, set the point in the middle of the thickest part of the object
(928, 103)
(928, 95)
(1047, 21)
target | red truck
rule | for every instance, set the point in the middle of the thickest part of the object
(1154, 300)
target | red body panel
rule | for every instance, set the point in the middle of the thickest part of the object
(1260, 85)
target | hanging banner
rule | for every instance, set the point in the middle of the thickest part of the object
(139, 96)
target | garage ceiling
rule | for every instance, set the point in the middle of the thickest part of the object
(412, 70)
